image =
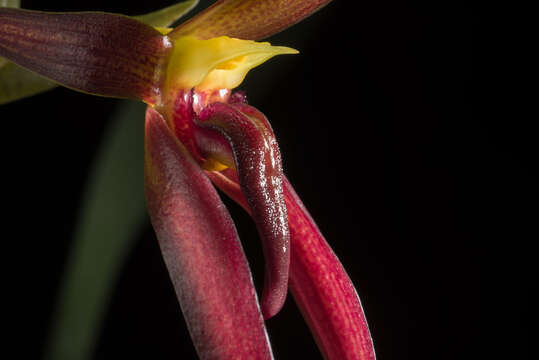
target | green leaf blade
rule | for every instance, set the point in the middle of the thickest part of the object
(112, 212)
(17, 82)
(167, 16)
(10, 3)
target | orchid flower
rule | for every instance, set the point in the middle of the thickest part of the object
(201, 134)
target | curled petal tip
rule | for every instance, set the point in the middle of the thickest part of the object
(258, 162)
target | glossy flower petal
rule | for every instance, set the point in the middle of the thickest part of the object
(202, 251)
(258, 162)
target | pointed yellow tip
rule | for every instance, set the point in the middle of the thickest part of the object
(216, 63)
(212, 164)
(163, 30)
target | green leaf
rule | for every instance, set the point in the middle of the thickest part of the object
(10, 3)
(167, 16)
(112, 213)
(17, 82)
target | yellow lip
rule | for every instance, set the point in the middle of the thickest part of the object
(218, 63)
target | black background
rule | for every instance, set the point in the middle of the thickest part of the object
(429, 207)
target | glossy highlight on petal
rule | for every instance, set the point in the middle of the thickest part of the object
(202, 251)
(98, 53)
(319, 284)
(248, 19)
(258, 162)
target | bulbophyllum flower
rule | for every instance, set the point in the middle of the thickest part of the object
(201, 134)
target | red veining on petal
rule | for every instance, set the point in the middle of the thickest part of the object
(248, 19)
(202, 251)
(99, 53)
(323, 291)
(320, 286)
(258, 162)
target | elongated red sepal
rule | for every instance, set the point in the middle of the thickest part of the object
(258, 162)
(202, 251)
(320, 286)
(322, 289)
(248, 19)
(98, 53)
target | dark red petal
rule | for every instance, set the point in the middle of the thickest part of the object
(98, 53)
(248, 19)
(320, 286)
(258, 162)
(202, 251)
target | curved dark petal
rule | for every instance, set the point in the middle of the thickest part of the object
(248, 19)
(258, 161)
(321, 287)
(202, 251)
(98, 53)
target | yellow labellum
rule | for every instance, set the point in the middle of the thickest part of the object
(218, 63)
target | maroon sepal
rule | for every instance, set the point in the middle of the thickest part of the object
(247, 19)
(319, 284)
(202, 251)
(98, 53)
(258, 162)
(323, 290)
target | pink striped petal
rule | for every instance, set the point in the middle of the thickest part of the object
(248, 19)
(258, 162)
(202, 251)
